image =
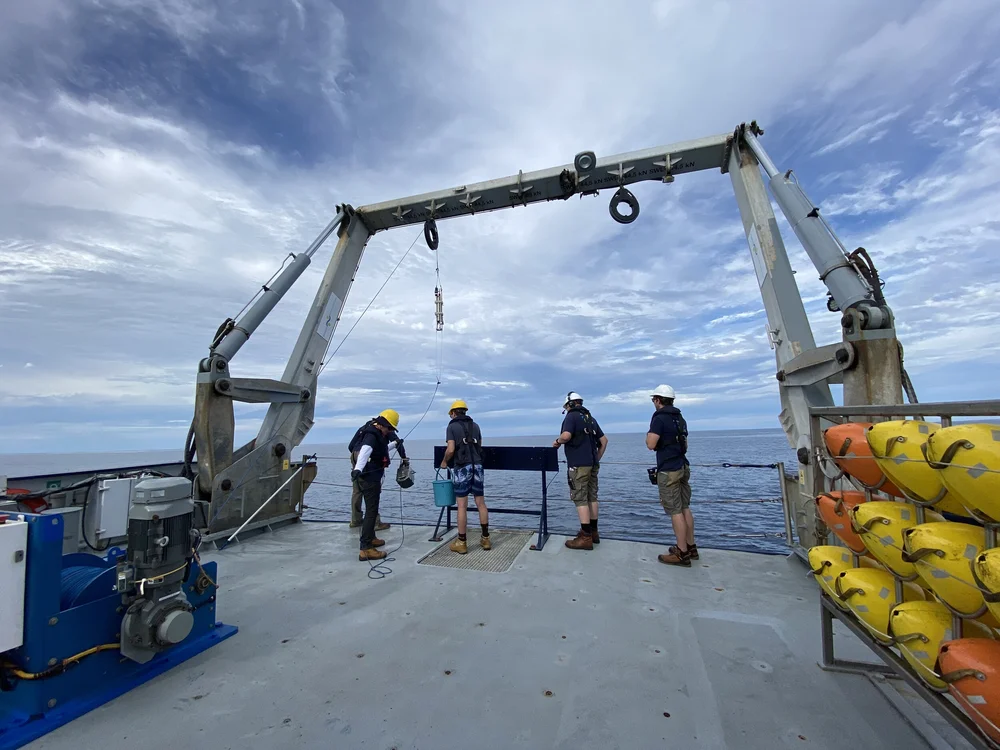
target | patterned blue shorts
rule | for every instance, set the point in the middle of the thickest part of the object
(467, 480)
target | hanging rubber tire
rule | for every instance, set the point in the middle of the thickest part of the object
(431, 234)
(585, 161)
(623, 195)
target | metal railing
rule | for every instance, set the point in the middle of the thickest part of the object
(757, 540)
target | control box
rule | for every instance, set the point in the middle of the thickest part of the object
(13, 566)
(114, 498)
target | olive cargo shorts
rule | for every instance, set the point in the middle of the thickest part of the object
(583, 484)
(675, 490)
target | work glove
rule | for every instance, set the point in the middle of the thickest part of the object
(355, 473)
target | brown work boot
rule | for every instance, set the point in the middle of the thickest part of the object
(485, 543)
(595, 536)
(376, 542)
(583, 540)
(370, 554)
(460, 546)
(676, 557)
(382, 526)
(693, 551)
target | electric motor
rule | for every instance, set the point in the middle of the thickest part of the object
(150, 577)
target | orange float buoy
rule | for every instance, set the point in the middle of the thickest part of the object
(848, 445)
(833, 508)
(971, 669)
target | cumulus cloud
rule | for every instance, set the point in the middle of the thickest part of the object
(163, 158)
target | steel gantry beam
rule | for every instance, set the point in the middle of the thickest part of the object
(585, 176)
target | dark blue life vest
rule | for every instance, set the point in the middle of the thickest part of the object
(379, 459)
(589, 431)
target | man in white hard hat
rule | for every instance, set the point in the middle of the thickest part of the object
(668, 437)
(585, 443)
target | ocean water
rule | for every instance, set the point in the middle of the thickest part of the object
(734, 507)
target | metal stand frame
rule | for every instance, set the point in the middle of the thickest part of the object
(543, 518)
(895, 667)
(518, 458)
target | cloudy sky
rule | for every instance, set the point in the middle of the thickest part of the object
(159, 159)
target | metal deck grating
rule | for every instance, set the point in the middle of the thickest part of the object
(507, 543)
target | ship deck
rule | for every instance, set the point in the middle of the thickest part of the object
(566, 649)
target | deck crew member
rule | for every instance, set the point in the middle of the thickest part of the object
(668, 437)
(585, 443)
(357, 514)
(372, 447)
(464, 456)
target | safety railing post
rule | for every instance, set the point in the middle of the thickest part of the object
(785, 506)
(542, 520)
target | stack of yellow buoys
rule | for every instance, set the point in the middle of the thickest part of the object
(914, 525)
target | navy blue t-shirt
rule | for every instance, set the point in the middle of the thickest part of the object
(581, 450)
(670, 426)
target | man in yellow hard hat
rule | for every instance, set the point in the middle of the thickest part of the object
(357, 513)
(464, 456)
(372, 443)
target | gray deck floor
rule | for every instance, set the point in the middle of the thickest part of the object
(602, 649)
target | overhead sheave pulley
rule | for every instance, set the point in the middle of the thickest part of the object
(431, 234)
(624, 195)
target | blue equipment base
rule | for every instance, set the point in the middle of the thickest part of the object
(32, 728)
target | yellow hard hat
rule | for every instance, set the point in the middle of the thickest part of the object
(391, 416)
(459, 404)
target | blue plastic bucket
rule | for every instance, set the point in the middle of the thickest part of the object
(444, 491)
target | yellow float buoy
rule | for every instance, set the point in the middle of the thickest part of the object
(826, 562)
(967, 460)
(943, 553)
(919, 629)
(870, 594)
(986, 575)
(881, 524)
(898, 448)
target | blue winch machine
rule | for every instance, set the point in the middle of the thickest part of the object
(78, 630)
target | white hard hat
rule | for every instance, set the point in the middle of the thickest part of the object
(572, 396)
(664, 391)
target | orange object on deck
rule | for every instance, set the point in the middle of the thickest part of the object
(833, 508)
(35, 504)
(848, 445)
(971, 668)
